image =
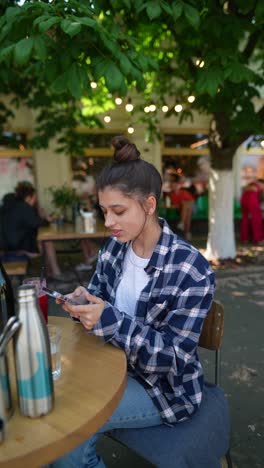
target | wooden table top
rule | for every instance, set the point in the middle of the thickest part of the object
(92, 382)
(68, 231)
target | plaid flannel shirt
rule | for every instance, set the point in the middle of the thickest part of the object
(161, 340)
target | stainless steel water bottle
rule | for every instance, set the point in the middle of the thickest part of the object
(32, 357)
(2, 416)
(7, 313)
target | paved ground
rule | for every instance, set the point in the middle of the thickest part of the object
(240, 289)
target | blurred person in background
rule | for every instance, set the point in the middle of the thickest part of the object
(251, 222)
(20, 223)
(183, 198)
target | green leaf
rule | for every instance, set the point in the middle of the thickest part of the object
(153, 63)
(153, 9)
(5, 31)
(6, 53)
(192, 15)
(166, 7)
(236, 72)
(71, 28)
(51, 71)
(112, 46)
(260, 10)
(60, 84)
(209, 82)
(100, 65)
(125, 64)
(128, 4)
(113, 78)
(91, 23)
(11, 13)
(177, 9)
(23, 51)
(40, 47)
(143, 62)
(47, 24)
(41, 19)
(74, 81)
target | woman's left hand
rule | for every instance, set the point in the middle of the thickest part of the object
(88, 314)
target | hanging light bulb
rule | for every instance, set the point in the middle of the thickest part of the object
(191, 99)
(146, 109)
(165, 108)
(107, 118)
(129, 106)
(178, 108)
(93, 84)
(118, 101)
(152, 108)
(199, 63)
(130, 130)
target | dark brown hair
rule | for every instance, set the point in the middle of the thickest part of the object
(129, 173)
(23, 190)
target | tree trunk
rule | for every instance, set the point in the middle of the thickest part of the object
(221, 237)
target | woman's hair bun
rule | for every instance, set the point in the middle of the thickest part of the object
(124, 150)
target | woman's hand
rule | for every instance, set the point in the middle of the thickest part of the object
(77, 296)
(88, 314)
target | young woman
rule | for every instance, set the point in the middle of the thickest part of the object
(149, 296)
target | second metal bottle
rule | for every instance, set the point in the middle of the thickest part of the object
(32, 357)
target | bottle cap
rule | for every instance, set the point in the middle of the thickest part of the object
(26, 290)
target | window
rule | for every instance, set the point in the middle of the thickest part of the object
(16, 162)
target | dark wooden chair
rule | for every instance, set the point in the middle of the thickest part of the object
(206, 434)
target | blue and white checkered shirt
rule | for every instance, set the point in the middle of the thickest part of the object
(161, 340)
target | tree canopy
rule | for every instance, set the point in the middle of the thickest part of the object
(51, 51)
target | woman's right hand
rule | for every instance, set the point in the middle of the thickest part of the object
(77, 296)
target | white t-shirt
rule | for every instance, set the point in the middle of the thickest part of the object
(134, 279)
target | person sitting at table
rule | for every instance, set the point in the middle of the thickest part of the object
(183, 198)
(21, 221)
(149, 296)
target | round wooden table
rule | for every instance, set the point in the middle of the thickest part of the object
(92, 382)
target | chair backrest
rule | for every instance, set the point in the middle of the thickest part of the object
(213, 328)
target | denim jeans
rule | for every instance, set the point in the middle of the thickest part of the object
(135, 410)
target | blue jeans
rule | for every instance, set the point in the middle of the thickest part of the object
(135, 410)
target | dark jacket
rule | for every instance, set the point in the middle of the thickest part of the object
(20, 223)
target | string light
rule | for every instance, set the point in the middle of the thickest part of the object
(191, 99)
(118, 101)
(129, 106)
(130, 130)
(199, 63)
(178, 108)
(146, 109)
(262, 143)
(107, 118)
(164, 108)
(93, 84)
(152, 107)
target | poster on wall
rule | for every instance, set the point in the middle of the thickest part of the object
(14, 170)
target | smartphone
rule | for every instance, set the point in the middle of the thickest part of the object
(61, 297)
(57, 295)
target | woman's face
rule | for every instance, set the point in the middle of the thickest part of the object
(124, 216)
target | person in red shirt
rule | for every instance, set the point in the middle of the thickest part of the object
(183, 199)
(251, 212)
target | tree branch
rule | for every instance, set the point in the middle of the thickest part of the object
(252, 42)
